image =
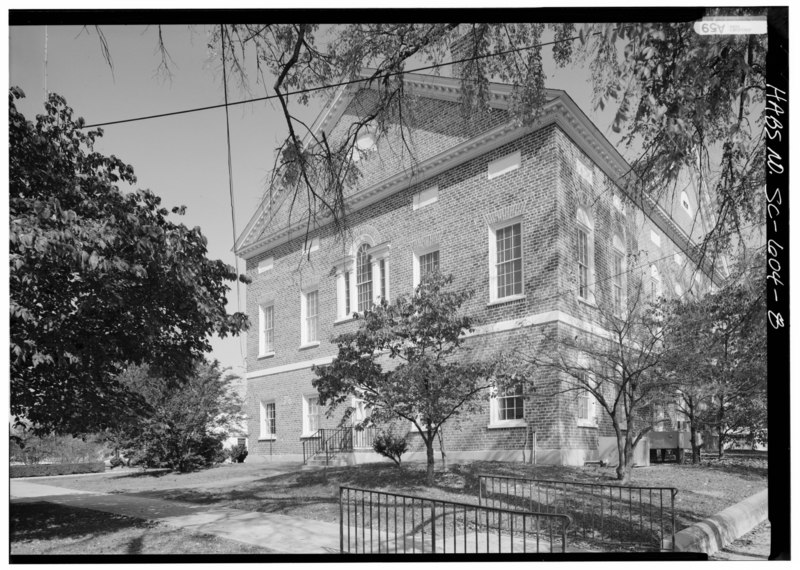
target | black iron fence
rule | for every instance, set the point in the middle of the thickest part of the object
(628, 517)
(379, 522)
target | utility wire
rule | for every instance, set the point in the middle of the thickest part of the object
(332, 85)
(230, 184)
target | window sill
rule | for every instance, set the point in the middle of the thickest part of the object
(508, 299)
(588, 302)
(501, 424)
(267, 438)
(308, 345)
(586, 424)
(344, 320)
(266, 355)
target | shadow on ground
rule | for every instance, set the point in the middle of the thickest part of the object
(47, 521)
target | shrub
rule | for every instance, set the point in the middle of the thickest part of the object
(48, 469)
(390, 445)
(237, 453)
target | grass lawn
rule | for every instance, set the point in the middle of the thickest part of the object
(46, 528)
(702, 490)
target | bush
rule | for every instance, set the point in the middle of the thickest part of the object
(237, 453)
(49, 469)
(390, 445)
(187, 422)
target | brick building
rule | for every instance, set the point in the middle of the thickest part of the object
(533, 219)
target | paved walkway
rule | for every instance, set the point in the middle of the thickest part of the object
(292, 535)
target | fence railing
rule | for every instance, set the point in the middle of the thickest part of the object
(332, 441)
(602, 514)
(391, 523)
(363, 438)
(328, 442)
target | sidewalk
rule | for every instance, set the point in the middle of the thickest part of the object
(291, 535)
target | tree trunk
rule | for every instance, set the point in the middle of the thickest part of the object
(720, 417)
(625, 469)
(439, 434)
(693, 441)
(429, 449)
(621, 442)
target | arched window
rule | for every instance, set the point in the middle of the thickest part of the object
(364, 278)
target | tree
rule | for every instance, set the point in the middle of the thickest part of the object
(408, 363)
(186, 422)
(100, 278)
(716, 351)
(674, 121)
(618, 369)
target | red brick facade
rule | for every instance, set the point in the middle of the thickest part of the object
(544, 192)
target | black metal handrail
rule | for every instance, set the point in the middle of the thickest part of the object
(328, 441)
(604, 513)
(377, 521)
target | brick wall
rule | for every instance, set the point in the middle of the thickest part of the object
(545, 190)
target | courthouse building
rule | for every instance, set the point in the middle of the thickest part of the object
(534, 219)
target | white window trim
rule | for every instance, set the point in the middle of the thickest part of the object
(504, 165)
(344, 265)
(425, 197)
(591, 421)
(618, 248)
(266, 265)
(419, 252)
(306, 416)
(380, 253)
(311, 246)
(494, 413)
(262, 339)
(585, 223)
(263, 435)
(304, 342)
(493, 229)
(655, 277)
(655, 238)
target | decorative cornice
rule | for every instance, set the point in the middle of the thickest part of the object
(559, 109)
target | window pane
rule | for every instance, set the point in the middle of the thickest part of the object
(509, 261)
(383, 278)
(313, 415)
(268, 329)
(583, 264)
(364, 278)
(428, 263)
(347, 293)
(311, 316)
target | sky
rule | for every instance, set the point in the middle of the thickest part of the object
(181, 158)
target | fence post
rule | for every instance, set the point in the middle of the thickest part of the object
(341, 521)
(433, 526)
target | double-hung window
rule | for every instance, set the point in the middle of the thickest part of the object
(428, 263)
(505, 261)
(311, 415)
(364, 278)
(617, 283)
(584, 256)
(586, 416)
(266, 329)
(309, 309)
(510, 405)
(583, 263)
(267, 423)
